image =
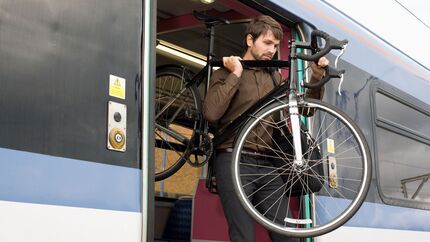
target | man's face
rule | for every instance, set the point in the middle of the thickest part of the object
(264, 47)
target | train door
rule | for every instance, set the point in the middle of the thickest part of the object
(70, 103)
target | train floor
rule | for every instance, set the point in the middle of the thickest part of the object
(172, 219)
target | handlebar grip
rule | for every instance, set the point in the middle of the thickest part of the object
(329, 73)
(319, 33)
(315, 57)
(314, 40)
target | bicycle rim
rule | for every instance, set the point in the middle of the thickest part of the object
(344, 170)
(176, 125)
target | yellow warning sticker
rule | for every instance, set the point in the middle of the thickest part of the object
(116, 87)
(330, 146)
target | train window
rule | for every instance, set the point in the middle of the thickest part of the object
(403, 147)
(402, 115)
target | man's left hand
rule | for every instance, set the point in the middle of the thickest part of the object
(318, 71)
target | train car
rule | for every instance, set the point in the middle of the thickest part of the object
(71, 165)
(77, 90)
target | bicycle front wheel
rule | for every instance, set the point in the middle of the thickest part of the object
(314, 197)
(176, 108)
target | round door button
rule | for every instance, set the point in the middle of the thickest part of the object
(117, 138)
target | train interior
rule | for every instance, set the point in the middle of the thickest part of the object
(182, 40)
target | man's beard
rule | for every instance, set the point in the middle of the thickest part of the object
(261, 57)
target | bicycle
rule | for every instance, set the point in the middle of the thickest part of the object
(327, 188)
(180, 130)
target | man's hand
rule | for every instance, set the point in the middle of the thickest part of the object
(323, 62)
(233, 64)
(318, 71)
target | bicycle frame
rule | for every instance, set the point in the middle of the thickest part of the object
(291, 90)
(274, 95)
(280, 92)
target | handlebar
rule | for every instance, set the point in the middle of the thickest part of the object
(330, 44)
(210, 20)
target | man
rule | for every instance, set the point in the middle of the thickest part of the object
(232, 91)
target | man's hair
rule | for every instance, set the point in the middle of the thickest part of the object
(260, 25)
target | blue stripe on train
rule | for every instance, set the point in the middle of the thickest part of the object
(374, 215)
(36, 178)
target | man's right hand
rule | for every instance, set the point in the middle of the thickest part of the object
(233, 64)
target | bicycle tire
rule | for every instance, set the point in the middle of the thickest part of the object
(344, 189)
(178, 118)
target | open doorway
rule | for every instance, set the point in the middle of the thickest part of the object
(182, 41)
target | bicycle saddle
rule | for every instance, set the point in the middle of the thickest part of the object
(210, 20)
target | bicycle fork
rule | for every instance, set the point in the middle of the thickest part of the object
(293, 109)
(295, 130)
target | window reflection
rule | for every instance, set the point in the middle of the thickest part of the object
(402, 158)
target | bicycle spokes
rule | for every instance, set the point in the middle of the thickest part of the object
(174, 125)
(308, 198)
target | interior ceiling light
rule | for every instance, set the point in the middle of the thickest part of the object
(207, 1)
(181, 53)
(173, 51)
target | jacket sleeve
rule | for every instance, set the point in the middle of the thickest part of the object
(223, 86)
(317, 74)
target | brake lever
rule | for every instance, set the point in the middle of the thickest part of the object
(335, 66)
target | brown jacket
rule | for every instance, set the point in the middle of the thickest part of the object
(229, 96)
